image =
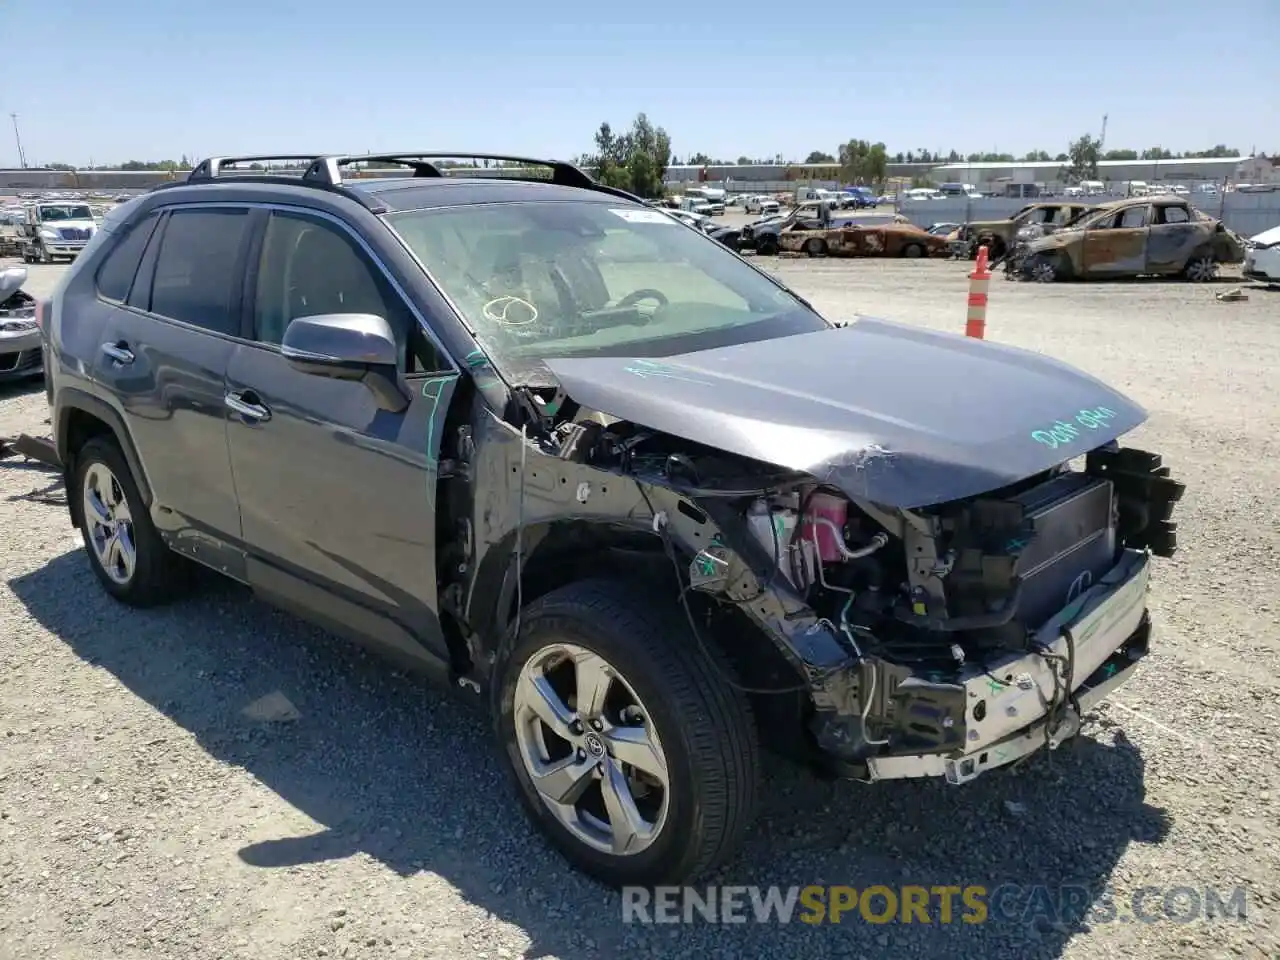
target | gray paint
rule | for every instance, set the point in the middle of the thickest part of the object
(895, 414)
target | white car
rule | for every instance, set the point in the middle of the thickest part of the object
(1262, 257)
(762, 205)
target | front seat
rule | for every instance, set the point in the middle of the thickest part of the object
(331, 278)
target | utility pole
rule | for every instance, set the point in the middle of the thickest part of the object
(22, 157)
(1102, 140)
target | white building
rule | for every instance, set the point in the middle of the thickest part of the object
(983, 175)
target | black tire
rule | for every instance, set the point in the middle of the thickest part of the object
(767, 246)
(815, 247)
(159, 574)
(1201, 267)
(913, 251)
(706, 727)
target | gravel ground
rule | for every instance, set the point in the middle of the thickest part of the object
(143, 815)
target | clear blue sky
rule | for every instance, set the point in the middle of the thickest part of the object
(114, 80)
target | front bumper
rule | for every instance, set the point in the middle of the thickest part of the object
(1013, 706)
(20, 354)
(1262, 265)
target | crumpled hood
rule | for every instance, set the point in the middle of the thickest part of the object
(899, 415)
(1266, 238)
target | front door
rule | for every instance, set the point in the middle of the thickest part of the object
(1118, 246)
(337, 494)
(174, 317)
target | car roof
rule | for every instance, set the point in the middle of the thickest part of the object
(419, 193)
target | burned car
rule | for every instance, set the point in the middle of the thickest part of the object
(896, 238)
(20, 351)
(540, 441)
(1140, 236)
(1033, 221)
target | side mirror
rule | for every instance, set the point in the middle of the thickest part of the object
(348, 346)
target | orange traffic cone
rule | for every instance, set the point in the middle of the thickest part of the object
(979, 280)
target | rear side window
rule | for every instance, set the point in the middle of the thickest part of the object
(198, 272)
(116, 274)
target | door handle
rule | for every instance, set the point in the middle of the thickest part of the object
(237, 403)
(118, 351)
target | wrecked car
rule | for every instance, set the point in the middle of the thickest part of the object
(1033, 221)
(892, 239)
(536, 439)
(1140, 236)
(1262, 257)
(20, 350)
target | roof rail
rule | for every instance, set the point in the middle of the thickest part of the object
(212, 168)
(329, 169)
(325, 170)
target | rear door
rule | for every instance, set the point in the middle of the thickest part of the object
(1118, 246)
(337, 495)
(1173, 238)
(163, 356)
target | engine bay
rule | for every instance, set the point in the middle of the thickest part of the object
(923, 599)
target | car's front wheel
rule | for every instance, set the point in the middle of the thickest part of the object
(125, 550)
(1201, 268)
(628, 745)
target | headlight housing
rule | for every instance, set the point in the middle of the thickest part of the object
(47, 234)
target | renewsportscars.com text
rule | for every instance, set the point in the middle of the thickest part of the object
(971, 904)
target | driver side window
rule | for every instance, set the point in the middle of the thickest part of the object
(309, 266)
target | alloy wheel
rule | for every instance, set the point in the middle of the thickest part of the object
(589, 746)
(109, 523)
(1044, 271)
(1201, 269)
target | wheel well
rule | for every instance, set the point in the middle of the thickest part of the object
(79, 427)
(569, 551)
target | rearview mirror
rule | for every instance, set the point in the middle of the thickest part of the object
(348, 346)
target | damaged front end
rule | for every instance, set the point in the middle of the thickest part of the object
(944, 640)
(948, 592)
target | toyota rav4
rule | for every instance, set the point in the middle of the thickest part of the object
(590, 467)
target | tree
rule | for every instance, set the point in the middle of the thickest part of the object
(1157, 153)
(817, 156)
(699, 159)
(636, 160)
(1037, 156)
(1120, 155)
(1082, 158)
(863, 162)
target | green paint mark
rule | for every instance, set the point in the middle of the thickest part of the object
(433, 390)
(477, 358)
(706, 566)
(663, 371)
(994, 686)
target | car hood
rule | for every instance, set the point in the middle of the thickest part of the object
(1266, 238)
(895, 414)
(66, 224)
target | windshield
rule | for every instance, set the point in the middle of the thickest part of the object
(65, 211)
(536, 280)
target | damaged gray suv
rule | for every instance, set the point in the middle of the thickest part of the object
(581, 462)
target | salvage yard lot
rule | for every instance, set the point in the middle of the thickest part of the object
(142, 815)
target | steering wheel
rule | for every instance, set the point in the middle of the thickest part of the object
(631, 299)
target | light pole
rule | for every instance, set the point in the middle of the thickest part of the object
(22, 157)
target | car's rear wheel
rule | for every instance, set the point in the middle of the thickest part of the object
(815, 247)
(1201, 268)
(125, 551)
(913, 251)
(628, 746)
